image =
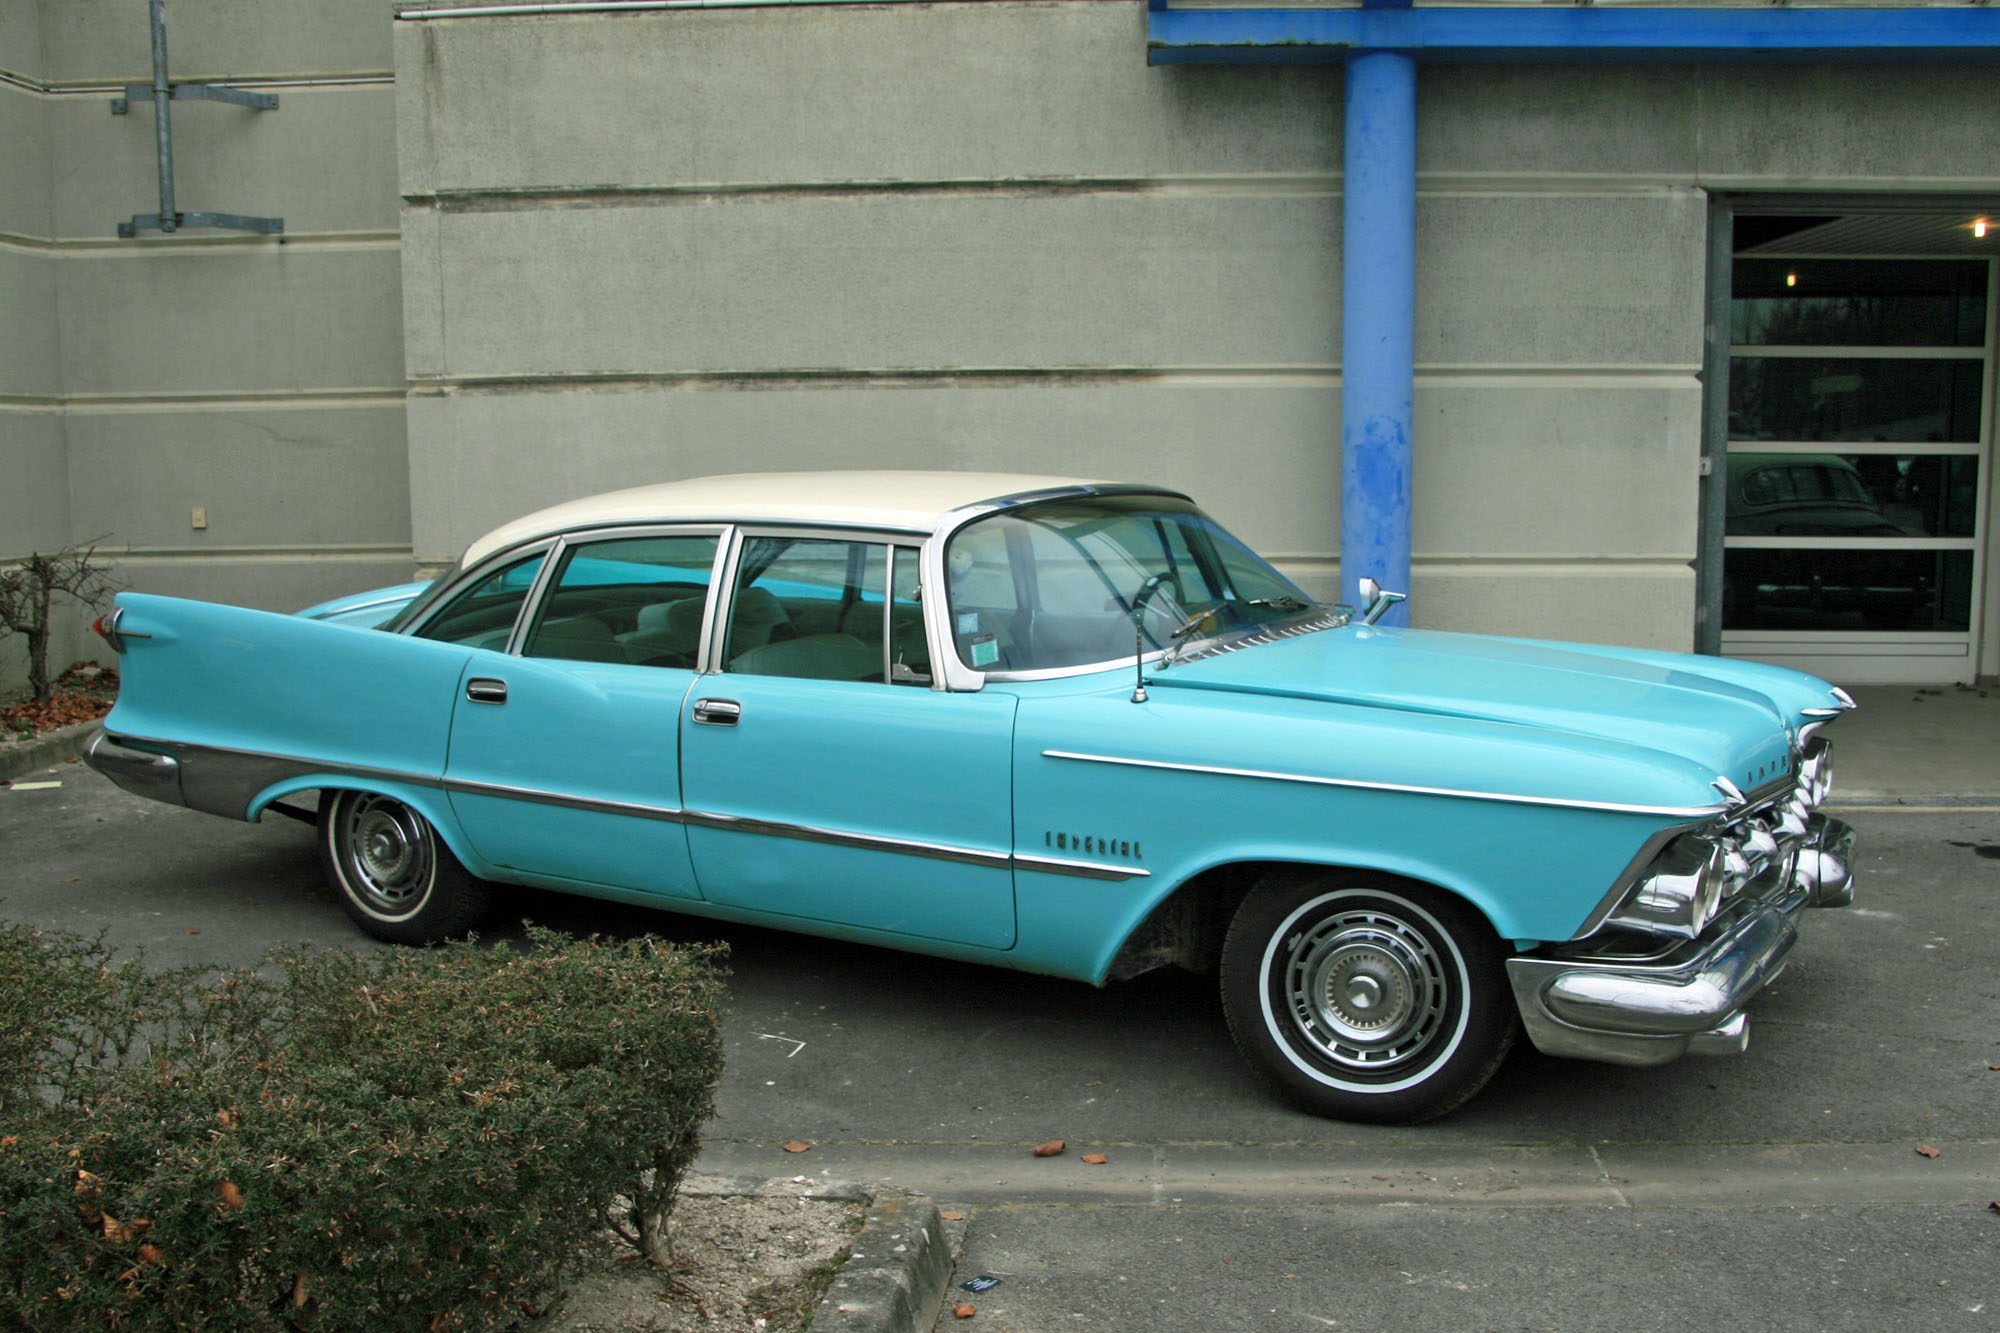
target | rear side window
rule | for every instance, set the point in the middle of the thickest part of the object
(483, 615)
(641, 601)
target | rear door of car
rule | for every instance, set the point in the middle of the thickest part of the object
(823, 778)
(565, 760)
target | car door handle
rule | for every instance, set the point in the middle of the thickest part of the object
(486, 690)
(718, 712)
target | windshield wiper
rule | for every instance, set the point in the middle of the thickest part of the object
(1280, 603)
(1185, 632)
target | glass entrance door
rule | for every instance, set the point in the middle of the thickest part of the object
(1860, 429)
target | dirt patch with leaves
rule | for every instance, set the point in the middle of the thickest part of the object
(757, 1260)
(83, 693)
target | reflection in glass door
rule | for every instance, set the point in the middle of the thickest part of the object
(1859, 430)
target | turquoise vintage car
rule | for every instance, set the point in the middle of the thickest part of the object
(1062, 726)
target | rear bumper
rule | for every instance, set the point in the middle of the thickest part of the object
(1689, 1000)
(142, 772)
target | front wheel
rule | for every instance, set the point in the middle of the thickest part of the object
(394, 875)
(1366, 998)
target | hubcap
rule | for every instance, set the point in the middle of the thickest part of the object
(1366, 989)
(388, 854)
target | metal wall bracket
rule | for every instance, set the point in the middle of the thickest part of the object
(195, 92)
(162, 94)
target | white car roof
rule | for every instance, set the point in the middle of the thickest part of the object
(899, 501)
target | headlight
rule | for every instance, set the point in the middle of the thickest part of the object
(1679, 892)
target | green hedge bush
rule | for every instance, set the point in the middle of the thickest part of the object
(413, 1139)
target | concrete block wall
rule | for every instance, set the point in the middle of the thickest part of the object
(642, 246)
(258, 379)
(34, 486)
(647, 246)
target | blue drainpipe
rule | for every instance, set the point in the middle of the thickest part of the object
(1378, 323)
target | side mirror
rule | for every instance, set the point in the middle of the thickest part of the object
(1375, 603)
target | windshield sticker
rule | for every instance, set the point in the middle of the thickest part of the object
(968, 622)
(985, 652)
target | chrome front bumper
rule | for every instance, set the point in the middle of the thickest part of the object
(1629, 1009)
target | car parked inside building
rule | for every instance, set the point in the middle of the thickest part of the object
(1063, 726)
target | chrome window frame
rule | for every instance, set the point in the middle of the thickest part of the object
(466, 580)
(730, 567)
(554, 549)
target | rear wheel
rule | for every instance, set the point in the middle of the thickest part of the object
(1366, 998)
(394, 875)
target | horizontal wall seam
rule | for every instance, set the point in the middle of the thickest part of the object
(1674, 562)
(181, 244)
(530, 198)
(1276, 184)
(1301, 375)
(167, 555)
(243, 400)
(1561, 562)
(548, 9)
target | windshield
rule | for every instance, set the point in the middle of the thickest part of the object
(1055, 584)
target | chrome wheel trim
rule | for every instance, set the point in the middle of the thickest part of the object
(1373, 997)
(386, 855)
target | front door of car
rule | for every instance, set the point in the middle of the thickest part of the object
(565, 753)
(822, 778)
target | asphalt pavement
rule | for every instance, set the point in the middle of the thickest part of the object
(1793, 1187)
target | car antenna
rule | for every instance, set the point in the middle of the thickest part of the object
(1146, 590)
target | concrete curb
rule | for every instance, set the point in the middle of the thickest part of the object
(897, 1268)
(37, 752)
(894, 1281)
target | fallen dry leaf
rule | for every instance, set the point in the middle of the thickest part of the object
(796, 1146)
(1925, 1150)
(1053, 1148)
(964, 1310)
(232, 1197)
(1095, 1158)
(952, 1215)
(119, 1232)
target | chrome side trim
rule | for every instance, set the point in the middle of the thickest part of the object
(834, 837)
(536, 796)
(1312, 779)
(1086, 869)
(223, 782)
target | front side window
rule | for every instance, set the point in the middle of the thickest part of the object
(827, 608)
(1057, 584)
